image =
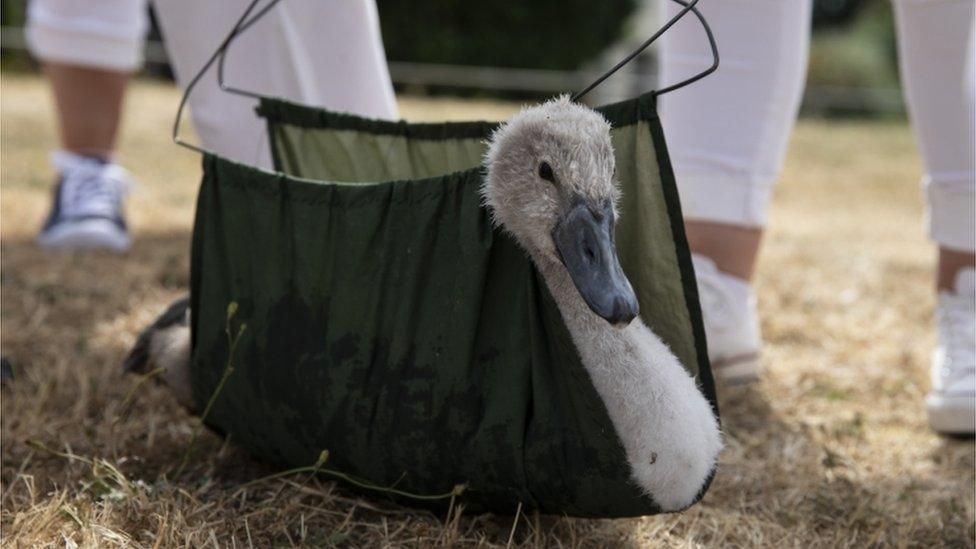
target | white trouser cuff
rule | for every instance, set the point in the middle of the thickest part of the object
(51, 42)
(728, 200)
(952, 211)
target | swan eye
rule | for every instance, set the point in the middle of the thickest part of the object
(545, 172)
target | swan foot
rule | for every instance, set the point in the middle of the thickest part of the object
(165, 345)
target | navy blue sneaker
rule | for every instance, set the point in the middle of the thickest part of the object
(87, 208)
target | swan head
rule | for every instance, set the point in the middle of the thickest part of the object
(551, 184)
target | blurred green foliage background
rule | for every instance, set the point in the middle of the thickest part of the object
(853, 41)
(542, 34)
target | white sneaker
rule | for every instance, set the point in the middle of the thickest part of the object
(731, 323)
(951, 404)
(86, 211)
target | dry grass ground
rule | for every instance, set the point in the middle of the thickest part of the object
(830, 449)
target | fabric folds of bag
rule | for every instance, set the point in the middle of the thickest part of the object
(391, 324)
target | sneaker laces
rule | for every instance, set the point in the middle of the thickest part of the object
(90, 187)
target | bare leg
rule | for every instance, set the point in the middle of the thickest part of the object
(87, 210)
(950, 263)
(727, 135)
(88, 51)
(89, 103)
(733, 248)
(936, 51)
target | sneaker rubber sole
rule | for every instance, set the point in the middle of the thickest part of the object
(951, 415)
(85, 234)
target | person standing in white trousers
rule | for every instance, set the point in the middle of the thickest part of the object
(728, 135)
(319, 52)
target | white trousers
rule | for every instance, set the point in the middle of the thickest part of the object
(728, 133)
(318, 52)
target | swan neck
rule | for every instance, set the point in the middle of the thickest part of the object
(576, 313)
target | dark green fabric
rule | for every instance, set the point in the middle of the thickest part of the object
(322, 145)
(392, 325)
(312, 143)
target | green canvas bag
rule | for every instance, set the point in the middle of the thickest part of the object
(389, 323)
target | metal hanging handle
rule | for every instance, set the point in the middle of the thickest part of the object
(243, 23)
(222, 54)
(687, 6)
(712, 45)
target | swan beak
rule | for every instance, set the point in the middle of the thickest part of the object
(585, 244)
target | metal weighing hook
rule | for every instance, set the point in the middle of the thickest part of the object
(222, 56)
(688, 6)
(243, 23)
